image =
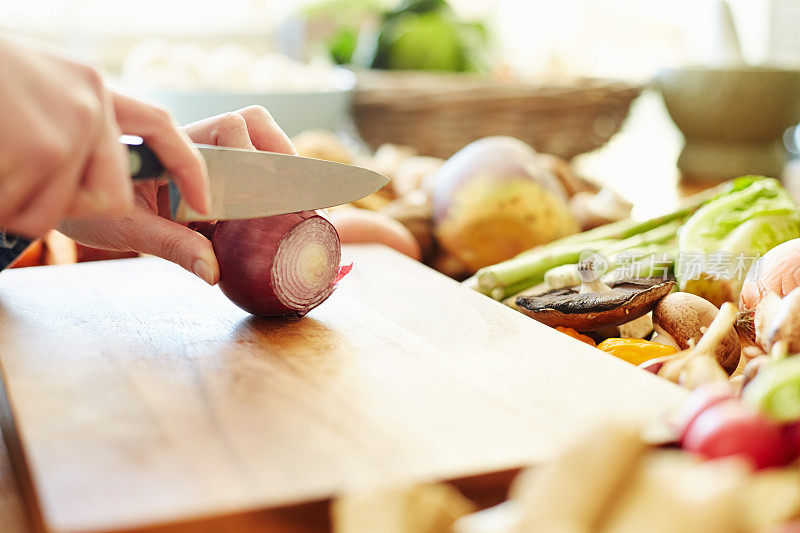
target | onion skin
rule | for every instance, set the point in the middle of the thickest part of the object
(778, 271)
(252, 274)
(206, 229)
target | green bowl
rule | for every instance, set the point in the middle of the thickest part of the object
(733, 119)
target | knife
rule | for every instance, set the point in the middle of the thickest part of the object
(244, 184)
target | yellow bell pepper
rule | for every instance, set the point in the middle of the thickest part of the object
(635, 351)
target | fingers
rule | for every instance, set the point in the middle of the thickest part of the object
(20, 194)
(182, 160)
(145, 232)
(56, 170)
(59, 154)
(264, 132)
(106, 187)
(50, 203)
(171, 241)
(229, 129)
(251, 128)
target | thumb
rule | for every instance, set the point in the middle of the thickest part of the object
(178, 244)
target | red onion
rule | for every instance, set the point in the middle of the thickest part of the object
(283, 265)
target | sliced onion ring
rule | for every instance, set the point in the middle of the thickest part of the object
(283, 265)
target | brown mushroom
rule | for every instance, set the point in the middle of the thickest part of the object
(680, 319)
(699, 365)
(595, 305)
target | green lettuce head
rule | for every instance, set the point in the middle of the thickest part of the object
(719, 244)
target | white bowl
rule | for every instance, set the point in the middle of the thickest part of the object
(294, 111)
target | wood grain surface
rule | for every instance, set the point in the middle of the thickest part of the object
(137, 395)
(13, 512)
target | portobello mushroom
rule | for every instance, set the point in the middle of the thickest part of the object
(625, 300)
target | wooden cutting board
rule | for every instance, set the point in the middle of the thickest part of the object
(137, 395)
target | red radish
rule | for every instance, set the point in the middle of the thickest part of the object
(731, 428)
(283, 265)
(791, 435)
(652, 365)
(701, 399)
(791, 527)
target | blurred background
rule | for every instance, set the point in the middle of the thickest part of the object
(624, 38)
(643, 101)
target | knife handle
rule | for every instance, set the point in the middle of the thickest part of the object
(144, 165)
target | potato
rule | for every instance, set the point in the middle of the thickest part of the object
(416, 509)
(771, 497)
(672, 491)
(571, 492)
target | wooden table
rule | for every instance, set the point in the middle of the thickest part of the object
(140, 396)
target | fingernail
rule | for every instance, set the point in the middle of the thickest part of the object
(203, 271)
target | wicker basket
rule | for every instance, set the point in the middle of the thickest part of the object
(440, 113)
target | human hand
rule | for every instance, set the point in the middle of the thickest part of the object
(59, 151)
(147, 229)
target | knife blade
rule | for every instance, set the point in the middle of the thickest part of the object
(248, 184)
(244, 184)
